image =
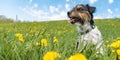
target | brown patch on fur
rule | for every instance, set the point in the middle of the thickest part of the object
(81, 13)
(85, 16)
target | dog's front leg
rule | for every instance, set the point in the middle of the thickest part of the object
(80, 42)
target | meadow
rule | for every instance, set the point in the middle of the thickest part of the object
(55, 40)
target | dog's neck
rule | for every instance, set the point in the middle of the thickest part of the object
(92, 22)
(84, 29)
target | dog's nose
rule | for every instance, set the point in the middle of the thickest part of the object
(68, 12)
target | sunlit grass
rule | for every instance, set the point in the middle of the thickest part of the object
(38, 38)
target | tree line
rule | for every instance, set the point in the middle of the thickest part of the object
(5, 19)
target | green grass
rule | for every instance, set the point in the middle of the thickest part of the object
(12, 49)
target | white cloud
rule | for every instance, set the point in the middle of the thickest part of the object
(103, 17)
(92, 1)
(67, 0)
(100, 16)
(67, 7)
(34, 12)
(110, 1)
(53, 9)
(35, 5)
(109, 11)
(60, 16)
(53, 14)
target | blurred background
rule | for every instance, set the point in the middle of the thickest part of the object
(49, 10)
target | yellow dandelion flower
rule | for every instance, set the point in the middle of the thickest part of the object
(118, 52)
(115, 44)
(77, 57)
(55, 40)
(44, 42)
(21, 39)
(51, 55)
(37, 44)
(18, 35)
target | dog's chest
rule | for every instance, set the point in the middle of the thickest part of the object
(93, 36)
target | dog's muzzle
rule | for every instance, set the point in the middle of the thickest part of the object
(71, 20)
(74, 19)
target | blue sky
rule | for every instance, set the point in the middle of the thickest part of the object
(43, 10)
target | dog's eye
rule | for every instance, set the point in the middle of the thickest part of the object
(80, 9)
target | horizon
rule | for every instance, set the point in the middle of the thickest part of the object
(49, 10)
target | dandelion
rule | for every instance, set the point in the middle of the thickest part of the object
(44, 42)
(116, 47)
(115, 44)
(118, 52)
(55, 40)
(77, 57)
(51, 55)
(20, 37)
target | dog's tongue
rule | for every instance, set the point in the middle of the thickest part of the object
(71, 20)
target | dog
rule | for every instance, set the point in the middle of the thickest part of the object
(82, 17)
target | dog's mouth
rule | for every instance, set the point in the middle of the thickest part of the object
(73, 20)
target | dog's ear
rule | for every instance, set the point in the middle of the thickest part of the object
(91, 9)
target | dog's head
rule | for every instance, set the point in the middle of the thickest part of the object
(81, 14)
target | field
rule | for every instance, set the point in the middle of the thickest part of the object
(56, 39)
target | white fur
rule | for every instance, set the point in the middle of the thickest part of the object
(93, 36)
